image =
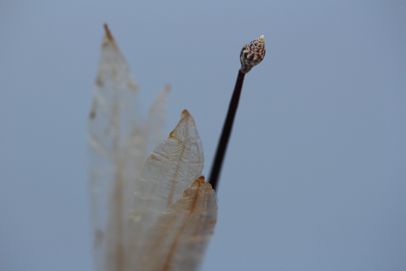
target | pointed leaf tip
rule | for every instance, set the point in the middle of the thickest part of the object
(108, 33)
(185, 128)
(185, 113)
(167, 88)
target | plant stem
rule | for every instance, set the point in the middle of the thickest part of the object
(225, 134)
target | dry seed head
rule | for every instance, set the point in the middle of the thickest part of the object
(252, 54)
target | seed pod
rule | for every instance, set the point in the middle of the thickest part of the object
(252, 54)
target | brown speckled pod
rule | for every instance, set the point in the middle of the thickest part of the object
(252, 54)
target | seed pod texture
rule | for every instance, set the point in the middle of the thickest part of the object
(252, 54)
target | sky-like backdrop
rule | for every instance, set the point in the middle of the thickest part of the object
(315, 173)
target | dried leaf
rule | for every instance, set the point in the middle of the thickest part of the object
(114, 113)
(155, 127)
(118, 150)
(137, 203)
(170, 169)
(178, 239)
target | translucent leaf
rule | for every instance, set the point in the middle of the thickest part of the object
(133, 197)
(113, 116)
(118, 150)
(178, 239)
(155, 127)
(169, 170)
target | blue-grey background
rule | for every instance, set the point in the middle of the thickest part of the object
(315, 175)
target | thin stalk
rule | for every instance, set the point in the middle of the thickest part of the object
(225, 134)
(251, 55)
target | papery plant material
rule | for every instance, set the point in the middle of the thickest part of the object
(178, 239)
(170, 169)
(118, 148)
(160, 218)
(155, 127)
(252, 54)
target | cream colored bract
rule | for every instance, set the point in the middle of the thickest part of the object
(151, 212)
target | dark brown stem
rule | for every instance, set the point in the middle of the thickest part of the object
(225, 135)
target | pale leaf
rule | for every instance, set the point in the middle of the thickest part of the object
(178, 239)
(114, 126)
(135, 208)
(155, 127)
(173, 165)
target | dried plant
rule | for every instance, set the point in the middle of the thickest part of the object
(156, 214)
(251, 55)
